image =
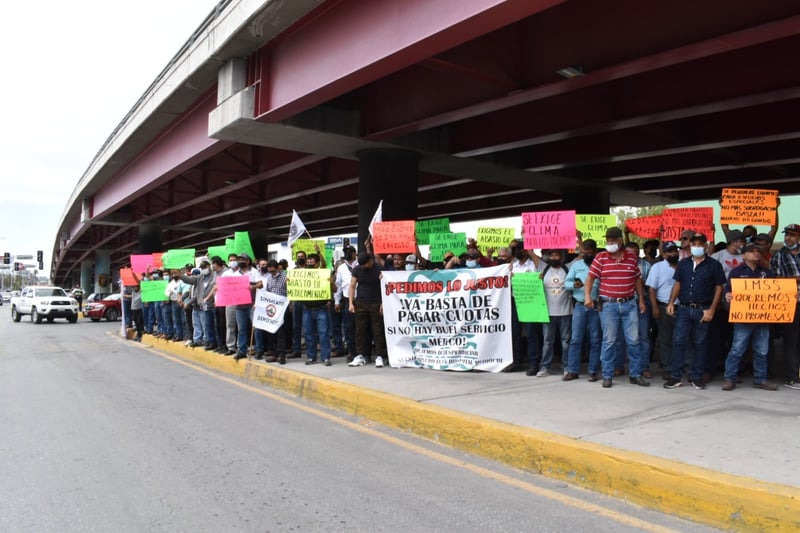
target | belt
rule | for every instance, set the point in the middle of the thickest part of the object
(617, 300)
(695, 305)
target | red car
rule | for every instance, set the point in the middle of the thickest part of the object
(108, 307)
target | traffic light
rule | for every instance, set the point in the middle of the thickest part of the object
(17, 267)
(6, 258)
(40, 256)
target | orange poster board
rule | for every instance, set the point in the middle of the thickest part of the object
(748, 206)
(648, 227)
(763, 300)
(394, 236)
(697, 219)
(126, 276)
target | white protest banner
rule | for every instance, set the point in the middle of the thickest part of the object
(457, 319)
(269, 310)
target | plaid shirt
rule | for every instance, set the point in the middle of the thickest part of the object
(276, 284)
(785, 264)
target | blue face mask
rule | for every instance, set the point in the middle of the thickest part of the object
(698, 251)
(410, 267)
(471, 263)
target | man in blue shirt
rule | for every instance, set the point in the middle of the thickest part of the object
(585, 321)
(743, 332)
(698, 285)
(659, 287)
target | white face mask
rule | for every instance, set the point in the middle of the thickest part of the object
(204, 272)
(471, 264)
(233, 264)
(790, 246)
(612, 248)
(698, 251)
(410, 267)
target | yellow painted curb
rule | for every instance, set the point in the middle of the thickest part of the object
(699, 494)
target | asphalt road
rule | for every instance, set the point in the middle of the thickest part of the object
(101, 434)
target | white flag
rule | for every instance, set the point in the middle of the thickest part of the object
(296, 228)
(377, 217)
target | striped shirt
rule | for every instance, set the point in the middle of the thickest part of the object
(785, 264)
(617, 278)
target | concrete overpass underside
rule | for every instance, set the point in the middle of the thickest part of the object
(508, 105)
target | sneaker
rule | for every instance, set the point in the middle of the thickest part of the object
(729, 385)
(311, 361)
(357, 361)
(792, 384)
(569, 376)
(697, 384)
(542, 373)
(379, 362)
(672, 383)
(327, 362)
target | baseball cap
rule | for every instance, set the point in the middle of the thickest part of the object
(698, 237)
(245, 255)
(670, 246)
(411, 258)
(751, 248)
(735, 235)
(792, 228)
(762, 237)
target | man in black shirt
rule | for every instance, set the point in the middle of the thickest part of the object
(365, 303)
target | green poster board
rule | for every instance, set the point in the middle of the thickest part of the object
(424, 228)
(178, 258)
(528, 291)
(154, 291)
(241, 243)
(447, 242)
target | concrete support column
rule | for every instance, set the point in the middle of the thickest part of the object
(102, 271)
(231, 78)
(150, 239)
(586, 200)
(388, 175)
(87, 283)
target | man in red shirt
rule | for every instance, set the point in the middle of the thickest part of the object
(621, 287)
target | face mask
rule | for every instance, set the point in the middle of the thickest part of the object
(501, 261)
(588, 259)
(233, 264)
(612, 248)
(411, 267)
(739, 249)
(264, 270)
(301, 261)
(521, 256)
(175, 277)
(748, 239)
(698, 251)
(554, 262)
(204, 272)
(672, 259)
(242, 265)
(471, 263)
(156, 276)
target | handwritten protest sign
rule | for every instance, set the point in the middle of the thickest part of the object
(528, 291)
(241, 242)
(549, 229)
(269, 310)
(393, 236)
(648, 227)
(218, 251)
(595, 226)
(307, 246)
(425, 228)
(448, 319)
(179, 258)
(303, 284)
(154, 291)
(492, 237)
(126, 277)
(139, 263)
(698, 219)
(233, 290)
(763, 300)
(748, 206)
(442, 243)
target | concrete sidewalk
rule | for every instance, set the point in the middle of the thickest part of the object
(721, 458)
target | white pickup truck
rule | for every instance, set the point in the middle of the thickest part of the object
(44, 303)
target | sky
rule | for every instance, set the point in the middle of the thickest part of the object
(71, 71)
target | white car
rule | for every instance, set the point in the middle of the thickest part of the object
(44, 303)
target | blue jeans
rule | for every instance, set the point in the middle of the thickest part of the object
(742, 334)
(625, 317)
(689, 331)
(562, 325)
(126, 309)
(585, 322)
(149, 313)
(316, 321)
(243, 325)
(165, 319)
(209, 326)
(644, 338)
(178, 315)
(197, 325)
